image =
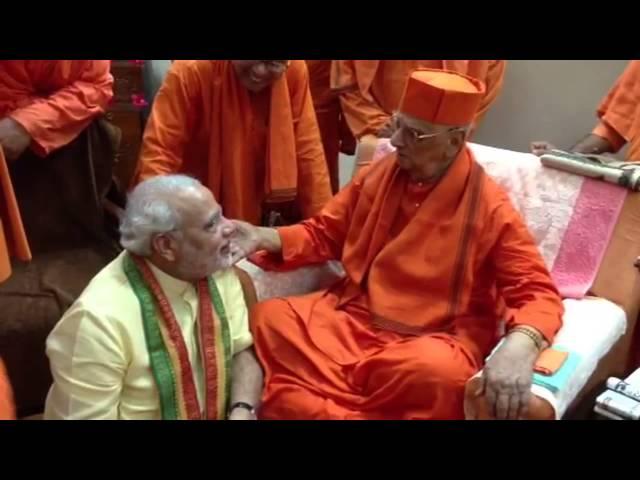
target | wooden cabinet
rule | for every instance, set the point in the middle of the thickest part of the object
(125, 112)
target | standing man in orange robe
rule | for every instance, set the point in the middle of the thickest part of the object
(56, 158)
(336, 136)
(247, 130)
(619, 114)
(431, 247)
(370, 91)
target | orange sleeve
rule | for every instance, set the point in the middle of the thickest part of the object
(493, 83)
(607, 132)
(619, 108)
(364, 116)
(58, 119)
(314, 186)
(317, 239)
(173, 116)
(522, 277)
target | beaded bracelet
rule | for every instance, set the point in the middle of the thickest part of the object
(533, 336)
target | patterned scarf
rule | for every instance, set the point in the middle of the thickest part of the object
(168, 353)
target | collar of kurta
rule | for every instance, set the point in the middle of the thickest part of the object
(172, 286)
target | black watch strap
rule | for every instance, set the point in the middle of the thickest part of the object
(245, 405)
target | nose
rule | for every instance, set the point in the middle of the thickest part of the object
(260, 70)
(396, 139)
(228, 228)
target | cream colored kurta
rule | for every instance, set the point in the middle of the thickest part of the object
(98, 352)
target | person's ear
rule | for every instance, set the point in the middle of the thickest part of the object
(165, 246)
(456, 141)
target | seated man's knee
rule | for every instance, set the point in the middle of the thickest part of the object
(427, 362)
(442, 363)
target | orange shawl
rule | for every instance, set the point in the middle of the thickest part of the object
(448, 217)
(229, 137)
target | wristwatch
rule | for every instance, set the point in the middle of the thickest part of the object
(244, 405)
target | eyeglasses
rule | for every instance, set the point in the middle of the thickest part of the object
(415, 135)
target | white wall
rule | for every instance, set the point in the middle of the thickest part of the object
(554, 100)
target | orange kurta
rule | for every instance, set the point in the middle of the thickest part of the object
(416, 314)
(247, 148)
(370, 90)
(619, 112)
(54, 100)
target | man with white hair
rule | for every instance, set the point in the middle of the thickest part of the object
(162, 331)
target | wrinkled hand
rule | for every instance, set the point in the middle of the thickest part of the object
(541, 147)
(241, 414)
(14, 139)
(637, 263)
(245, 240)
(507, 378)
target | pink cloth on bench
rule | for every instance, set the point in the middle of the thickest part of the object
(588, 234)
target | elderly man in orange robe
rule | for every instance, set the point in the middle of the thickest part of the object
(247, 130)
(433, 250)
(619, 114)
(370, 91)
(56, 158)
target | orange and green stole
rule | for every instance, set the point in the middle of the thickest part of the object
(168, 353)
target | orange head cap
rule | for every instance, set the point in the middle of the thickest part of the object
(442, 97)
